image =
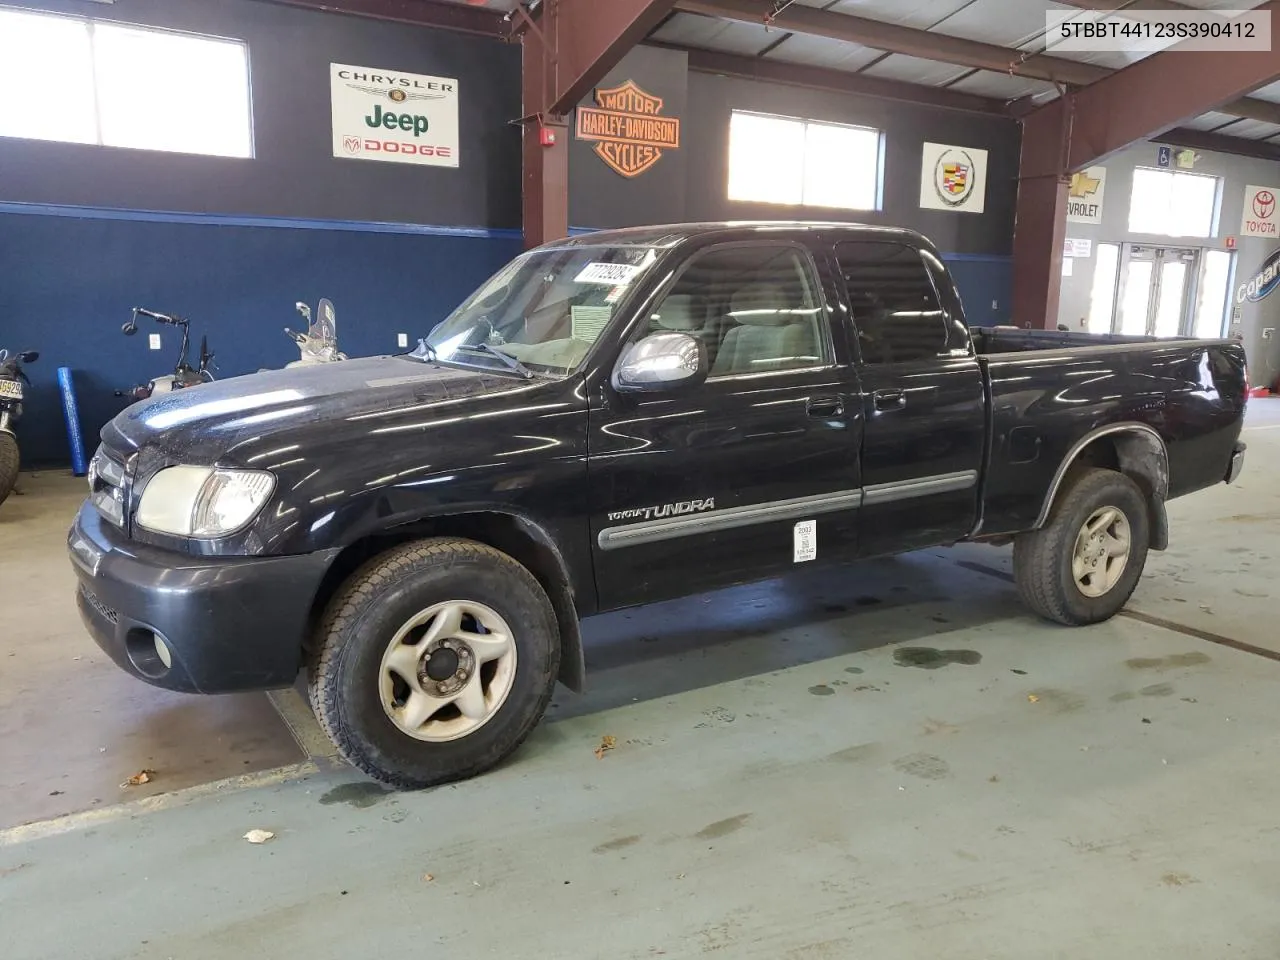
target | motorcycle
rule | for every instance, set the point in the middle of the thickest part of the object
(320, 343)
(12, 381)
(184, 375)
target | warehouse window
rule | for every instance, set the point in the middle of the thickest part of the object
(86, 81)
(1173, 204)
(803, 163)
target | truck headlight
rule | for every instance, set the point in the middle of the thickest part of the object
(203, 501)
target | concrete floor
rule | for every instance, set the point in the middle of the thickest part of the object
(785, 784)
(73, 726)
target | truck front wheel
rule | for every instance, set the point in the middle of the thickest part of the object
(434, 661)
(1084, 564)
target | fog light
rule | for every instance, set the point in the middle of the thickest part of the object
(148, 652)
(163, 652)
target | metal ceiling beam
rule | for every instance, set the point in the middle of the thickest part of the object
(1220, 143)
(1145, 100)
(1149, 99)
(838, 81)
(935, 46)
(461, 17)
(899, 39)
(585, 39)
(1107, 5)
(568, 47)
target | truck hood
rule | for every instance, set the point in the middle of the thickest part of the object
(203, 423)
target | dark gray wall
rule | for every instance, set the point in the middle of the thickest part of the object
(906, 126)
(601, 197)
(294, 173)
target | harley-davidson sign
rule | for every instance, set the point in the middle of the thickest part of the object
(628, 133)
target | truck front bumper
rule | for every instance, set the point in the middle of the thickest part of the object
(194, 624)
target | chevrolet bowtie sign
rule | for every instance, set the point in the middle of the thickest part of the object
(625, 126)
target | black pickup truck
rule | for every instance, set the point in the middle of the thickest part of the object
(611, 420)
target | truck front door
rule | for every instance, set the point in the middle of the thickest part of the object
(754, 469)
(925, 417)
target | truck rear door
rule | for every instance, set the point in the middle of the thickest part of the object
(924, 413)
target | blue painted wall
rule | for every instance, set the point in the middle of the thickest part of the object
(67, 284)
(986, 286)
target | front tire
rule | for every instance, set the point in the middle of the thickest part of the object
(1085, 563)
(434, 661)
(8, 464)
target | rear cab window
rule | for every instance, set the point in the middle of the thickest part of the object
(897, 314)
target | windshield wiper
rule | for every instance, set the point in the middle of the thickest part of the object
(508, 360)
(424, 352)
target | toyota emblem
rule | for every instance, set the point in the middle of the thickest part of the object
(1264, 204)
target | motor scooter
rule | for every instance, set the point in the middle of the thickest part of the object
(12, 391)
(320, 343)
(184, 375)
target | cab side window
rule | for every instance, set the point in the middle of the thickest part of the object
(895, 307)
(754, 306)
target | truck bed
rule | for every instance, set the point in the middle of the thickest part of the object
(991, 340)
(1048, 390)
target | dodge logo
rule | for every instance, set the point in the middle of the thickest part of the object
(1264, 204)
(351, 144)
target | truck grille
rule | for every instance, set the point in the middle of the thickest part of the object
(103, 610)
(109, 483)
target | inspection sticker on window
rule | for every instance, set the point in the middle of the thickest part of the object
(608, 274)
(806, 541)
(587, 322)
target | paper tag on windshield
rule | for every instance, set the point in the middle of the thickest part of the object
(608, 274)
(806, 541)
(587, 322)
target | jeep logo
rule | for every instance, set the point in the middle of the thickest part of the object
(397, 121)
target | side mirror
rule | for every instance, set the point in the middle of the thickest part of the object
(661, 362)
(31, 356)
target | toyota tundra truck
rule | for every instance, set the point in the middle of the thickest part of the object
(616, 419)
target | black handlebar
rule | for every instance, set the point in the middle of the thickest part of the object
(158, 317)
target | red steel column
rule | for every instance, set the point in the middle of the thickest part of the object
(1040, 220)
(567, 48)
(545, 186)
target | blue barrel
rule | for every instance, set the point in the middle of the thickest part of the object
(79, 463)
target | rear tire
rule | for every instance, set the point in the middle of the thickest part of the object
(434, 661)
(9, 463)
(1085, 563)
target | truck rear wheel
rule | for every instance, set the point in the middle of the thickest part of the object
(434, 661)
(1085, 563)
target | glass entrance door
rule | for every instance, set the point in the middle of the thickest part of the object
(1157, 291)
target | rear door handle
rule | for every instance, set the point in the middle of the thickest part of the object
(889, 399)
(824, 407)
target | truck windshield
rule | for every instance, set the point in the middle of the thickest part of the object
(544, 309)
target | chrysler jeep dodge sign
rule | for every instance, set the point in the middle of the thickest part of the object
(394, 117)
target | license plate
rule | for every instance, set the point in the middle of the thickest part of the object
(11, 389)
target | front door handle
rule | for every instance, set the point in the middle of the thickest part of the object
(824, 407)
(885, 400)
